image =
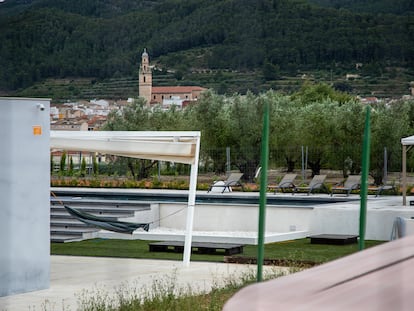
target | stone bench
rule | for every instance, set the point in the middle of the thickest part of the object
(197, 247)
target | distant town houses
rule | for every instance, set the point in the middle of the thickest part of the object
(369, 100)
(91, 115)
(82, 115)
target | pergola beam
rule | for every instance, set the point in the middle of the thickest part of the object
(179, 147)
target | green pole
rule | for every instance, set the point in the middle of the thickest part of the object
(263, 189)
(364, 181)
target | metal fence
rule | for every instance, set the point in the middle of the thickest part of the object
(345, 158)
(342, 158)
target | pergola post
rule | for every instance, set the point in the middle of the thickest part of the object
(404, 174)
(191, 204)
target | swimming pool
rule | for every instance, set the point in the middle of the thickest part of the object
(162, 196)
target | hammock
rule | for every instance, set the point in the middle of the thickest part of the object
(106, 223)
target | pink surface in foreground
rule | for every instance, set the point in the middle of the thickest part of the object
(379, 278)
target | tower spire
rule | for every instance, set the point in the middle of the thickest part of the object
(145, 77)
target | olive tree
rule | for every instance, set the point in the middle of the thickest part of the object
(331, 124)
(348, 139)
(137, 116)
(318, 121)
(246, 119)
(285, 130)
(233, 121)
(318, 124)
(211, 116)
(389, 123)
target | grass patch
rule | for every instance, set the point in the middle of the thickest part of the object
(121, 248)
(166, 293)
(289, 251)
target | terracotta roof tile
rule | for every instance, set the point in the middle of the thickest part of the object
(176, 89)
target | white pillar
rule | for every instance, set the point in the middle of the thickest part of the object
(24, 193)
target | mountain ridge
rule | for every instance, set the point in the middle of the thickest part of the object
(104, 38)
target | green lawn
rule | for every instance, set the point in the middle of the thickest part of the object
(291, 251)
(166, 297)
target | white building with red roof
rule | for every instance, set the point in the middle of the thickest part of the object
(184, 93)
(163, 94)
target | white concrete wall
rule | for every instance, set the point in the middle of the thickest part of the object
(339, 218)
(380, 222)
(226, 217)
(335, 220)
(24, 193)
(344, 219)
(151, 216)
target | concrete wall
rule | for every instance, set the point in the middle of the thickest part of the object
(340, 218)
(227, 217)
(345, 220)
(24, 193)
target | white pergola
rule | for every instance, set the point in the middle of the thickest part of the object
(179, 147)
(407, 144)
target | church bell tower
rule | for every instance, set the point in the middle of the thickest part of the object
(145, 78)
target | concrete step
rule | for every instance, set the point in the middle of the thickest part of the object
(72, 230)
(68, 233)
(107, 214)
(112, 210)
(65, 219)
(121, 204)
(70, 222)
(92, 209)
(64, 238)
(66, 228)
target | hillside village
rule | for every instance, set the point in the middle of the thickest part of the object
(82, 115)
(91, 115)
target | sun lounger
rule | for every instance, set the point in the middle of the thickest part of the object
(285, 184)
(353, 182)
(316, 183)
(232, 180)
(379, 189)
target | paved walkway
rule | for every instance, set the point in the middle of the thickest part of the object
(75, 277)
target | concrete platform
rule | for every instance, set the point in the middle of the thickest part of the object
(197, 248)
(167, 234)
(75, 277)
(334, 239)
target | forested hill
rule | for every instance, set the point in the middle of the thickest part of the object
(104, 38)
(370, 6)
